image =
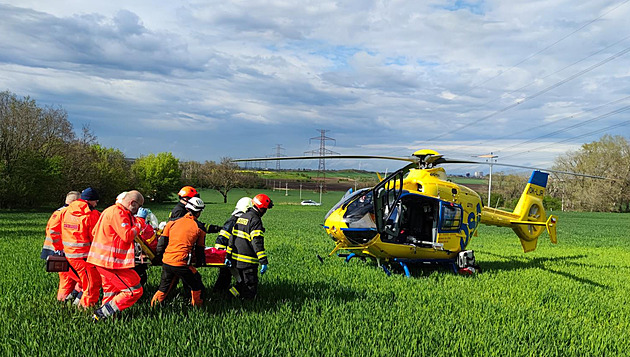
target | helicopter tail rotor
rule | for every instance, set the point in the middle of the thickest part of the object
(528, 220)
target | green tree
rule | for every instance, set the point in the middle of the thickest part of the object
(157, 176)
(32, 139)
(110, 173)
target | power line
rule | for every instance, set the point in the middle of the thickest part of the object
(322, 151)
(537, 94)
(545, 49)
(573, 138)
(279, 153)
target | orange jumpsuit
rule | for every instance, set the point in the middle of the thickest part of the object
(112, 253)
(77, 222)
(184, 238)
(68, 280)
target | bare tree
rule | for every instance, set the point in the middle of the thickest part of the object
(608, 157)
(222, 177)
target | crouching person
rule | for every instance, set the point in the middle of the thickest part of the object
(182, 243)
(112, 252)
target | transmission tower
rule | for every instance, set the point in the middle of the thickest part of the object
(279, 153)
(322, 151)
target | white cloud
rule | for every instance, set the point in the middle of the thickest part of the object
(383, 75)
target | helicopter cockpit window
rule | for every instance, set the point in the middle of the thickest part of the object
(451, 217)
(347, 198)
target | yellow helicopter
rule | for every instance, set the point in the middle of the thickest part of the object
(415, 215)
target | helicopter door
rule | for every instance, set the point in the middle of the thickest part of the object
(387, 205)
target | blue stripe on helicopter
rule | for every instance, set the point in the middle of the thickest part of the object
(539, 178)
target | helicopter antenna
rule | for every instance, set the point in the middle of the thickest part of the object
(322, 153)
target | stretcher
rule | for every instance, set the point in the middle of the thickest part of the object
(144, 256)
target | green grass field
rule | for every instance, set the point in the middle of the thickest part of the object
(569, 299)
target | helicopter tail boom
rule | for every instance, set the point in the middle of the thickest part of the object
(528, 220)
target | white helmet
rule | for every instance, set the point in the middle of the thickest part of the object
(120, 197)
(195, 204)
(242, 205)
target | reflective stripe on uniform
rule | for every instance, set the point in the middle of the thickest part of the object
(225, 234)
(234, 292)
(220, 246)
(245, 258)
(76, 255)
(229, 250)
(109, 248)
(134, 288)
(256, 233)
(73, 244)
(103, 258)
(241, 234)
(261, 254)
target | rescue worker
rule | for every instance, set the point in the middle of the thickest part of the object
(184, 195)
(246, 248)
(182, 241)
(223, 280)
(112, 253)
(69, 282)
(77, 222)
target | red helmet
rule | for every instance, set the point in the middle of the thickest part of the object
(262, 201)
(188, 192)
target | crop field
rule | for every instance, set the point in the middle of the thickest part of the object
(570, 299)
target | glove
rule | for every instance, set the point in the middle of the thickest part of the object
(228, 263)
(212, 228)
(142, 212)
(263, 269)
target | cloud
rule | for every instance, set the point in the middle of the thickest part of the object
(391, 76)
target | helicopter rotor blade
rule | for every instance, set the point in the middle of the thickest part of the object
(408, 159)
(531, 168)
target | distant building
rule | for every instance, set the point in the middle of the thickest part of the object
(478, 174)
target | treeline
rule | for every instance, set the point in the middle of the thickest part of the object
(609, 157)
(41, 159)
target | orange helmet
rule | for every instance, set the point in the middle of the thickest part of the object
(188, 192)
(262, 201)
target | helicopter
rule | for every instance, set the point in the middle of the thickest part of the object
(416, 215)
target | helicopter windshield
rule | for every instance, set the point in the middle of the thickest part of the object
(347, 197)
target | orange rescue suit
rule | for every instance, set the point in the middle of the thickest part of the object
(183, 234)
(114, 234)
(77, 221)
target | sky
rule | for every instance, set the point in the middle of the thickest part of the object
(525, 80)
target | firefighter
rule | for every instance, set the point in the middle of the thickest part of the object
(182, 243)
(184, 195)
(112, 253)
(223, 280)
(246, 248)
(69, 282)
(77, 222)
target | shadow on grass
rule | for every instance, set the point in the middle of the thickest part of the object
(517, 263)
(272, 295)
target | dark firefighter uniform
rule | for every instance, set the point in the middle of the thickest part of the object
(223, 239)
(246, 249)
